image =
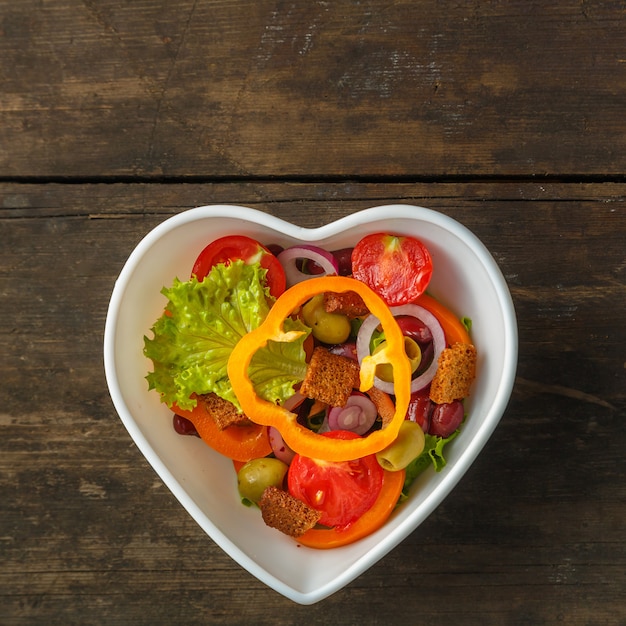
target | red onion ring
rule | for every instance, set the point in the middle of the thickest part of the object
(294, 401)
(439, 343)
(281, 450)
(358, 415)
(323, 258)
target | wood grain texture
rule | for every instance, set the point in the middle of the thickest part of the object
(533, 534)
(271, 88)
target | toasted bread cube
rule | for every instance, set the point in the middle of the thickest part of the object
(348, 303)
(455, 373)
(330, 377)
(222, 411)
(286, 513)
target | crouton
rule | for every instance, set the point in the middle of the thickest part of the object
(222, 411)
(286, 513)
(330, 377)
(348, 303)
(384, 404)
(456, 370)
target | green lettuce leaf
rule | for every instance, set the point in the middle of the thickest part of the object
(467, 322)
(203, 322)
(431, 455)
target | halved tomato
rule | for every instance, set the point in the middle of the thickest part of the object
(341, 491)
(397, 268)
(235, 247)
(369, 522)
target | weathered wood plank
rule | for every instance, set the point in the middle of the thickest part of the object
(533, 534)
(298, 201)
(109, 88)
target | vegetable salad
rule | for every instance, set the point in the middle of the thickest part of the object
(314, 371)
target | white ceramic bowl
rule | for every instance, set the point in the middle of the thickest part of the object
(466, 278)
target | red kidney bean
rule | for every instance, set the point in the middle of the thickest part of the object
(274, 248)
(183, 426)
(344, 260)
(446, 418)
(420, 409)
(415, 329)
(347, 349)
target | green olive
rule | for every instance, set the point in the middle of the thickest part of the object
(256, 475)
(407, 446)
(384, 371)
(327, 327)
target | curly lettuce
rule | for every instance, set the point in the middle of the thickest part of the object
(432, 455)
(202, 323)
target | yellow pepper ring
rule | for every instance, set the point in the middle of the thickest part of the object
(296, 436)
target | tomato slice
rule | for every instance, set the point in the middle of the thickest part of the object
(397, 268)
(341, 491)
(235, 247)
(369, 522)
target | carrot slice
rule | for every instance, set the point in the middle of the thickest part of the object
(238, 465)
(240, 443)
(453, 329)
(369, 522)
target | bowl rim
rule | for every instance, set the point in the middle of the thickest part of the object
(267, 220)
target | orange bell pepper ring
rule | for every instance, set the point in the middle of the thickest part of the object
(298, 437)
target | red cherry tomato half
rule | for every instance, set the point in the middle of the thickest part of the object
(397, 268)
(341, 491)
(235, 247)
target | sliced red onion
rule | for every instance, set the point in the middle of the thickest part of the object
(358, 415)
(280, 449)
(323, 258)
(294, 401)
(439, 343)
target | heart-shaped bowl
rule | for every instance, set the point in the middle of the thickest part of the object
(466, 278)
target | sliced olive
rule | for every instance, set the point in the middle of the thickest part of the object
(330, 328)
(384, 371)
(407, 446)
(256, 475)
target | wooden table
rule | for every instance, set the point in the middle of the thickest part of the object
(507, 116)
